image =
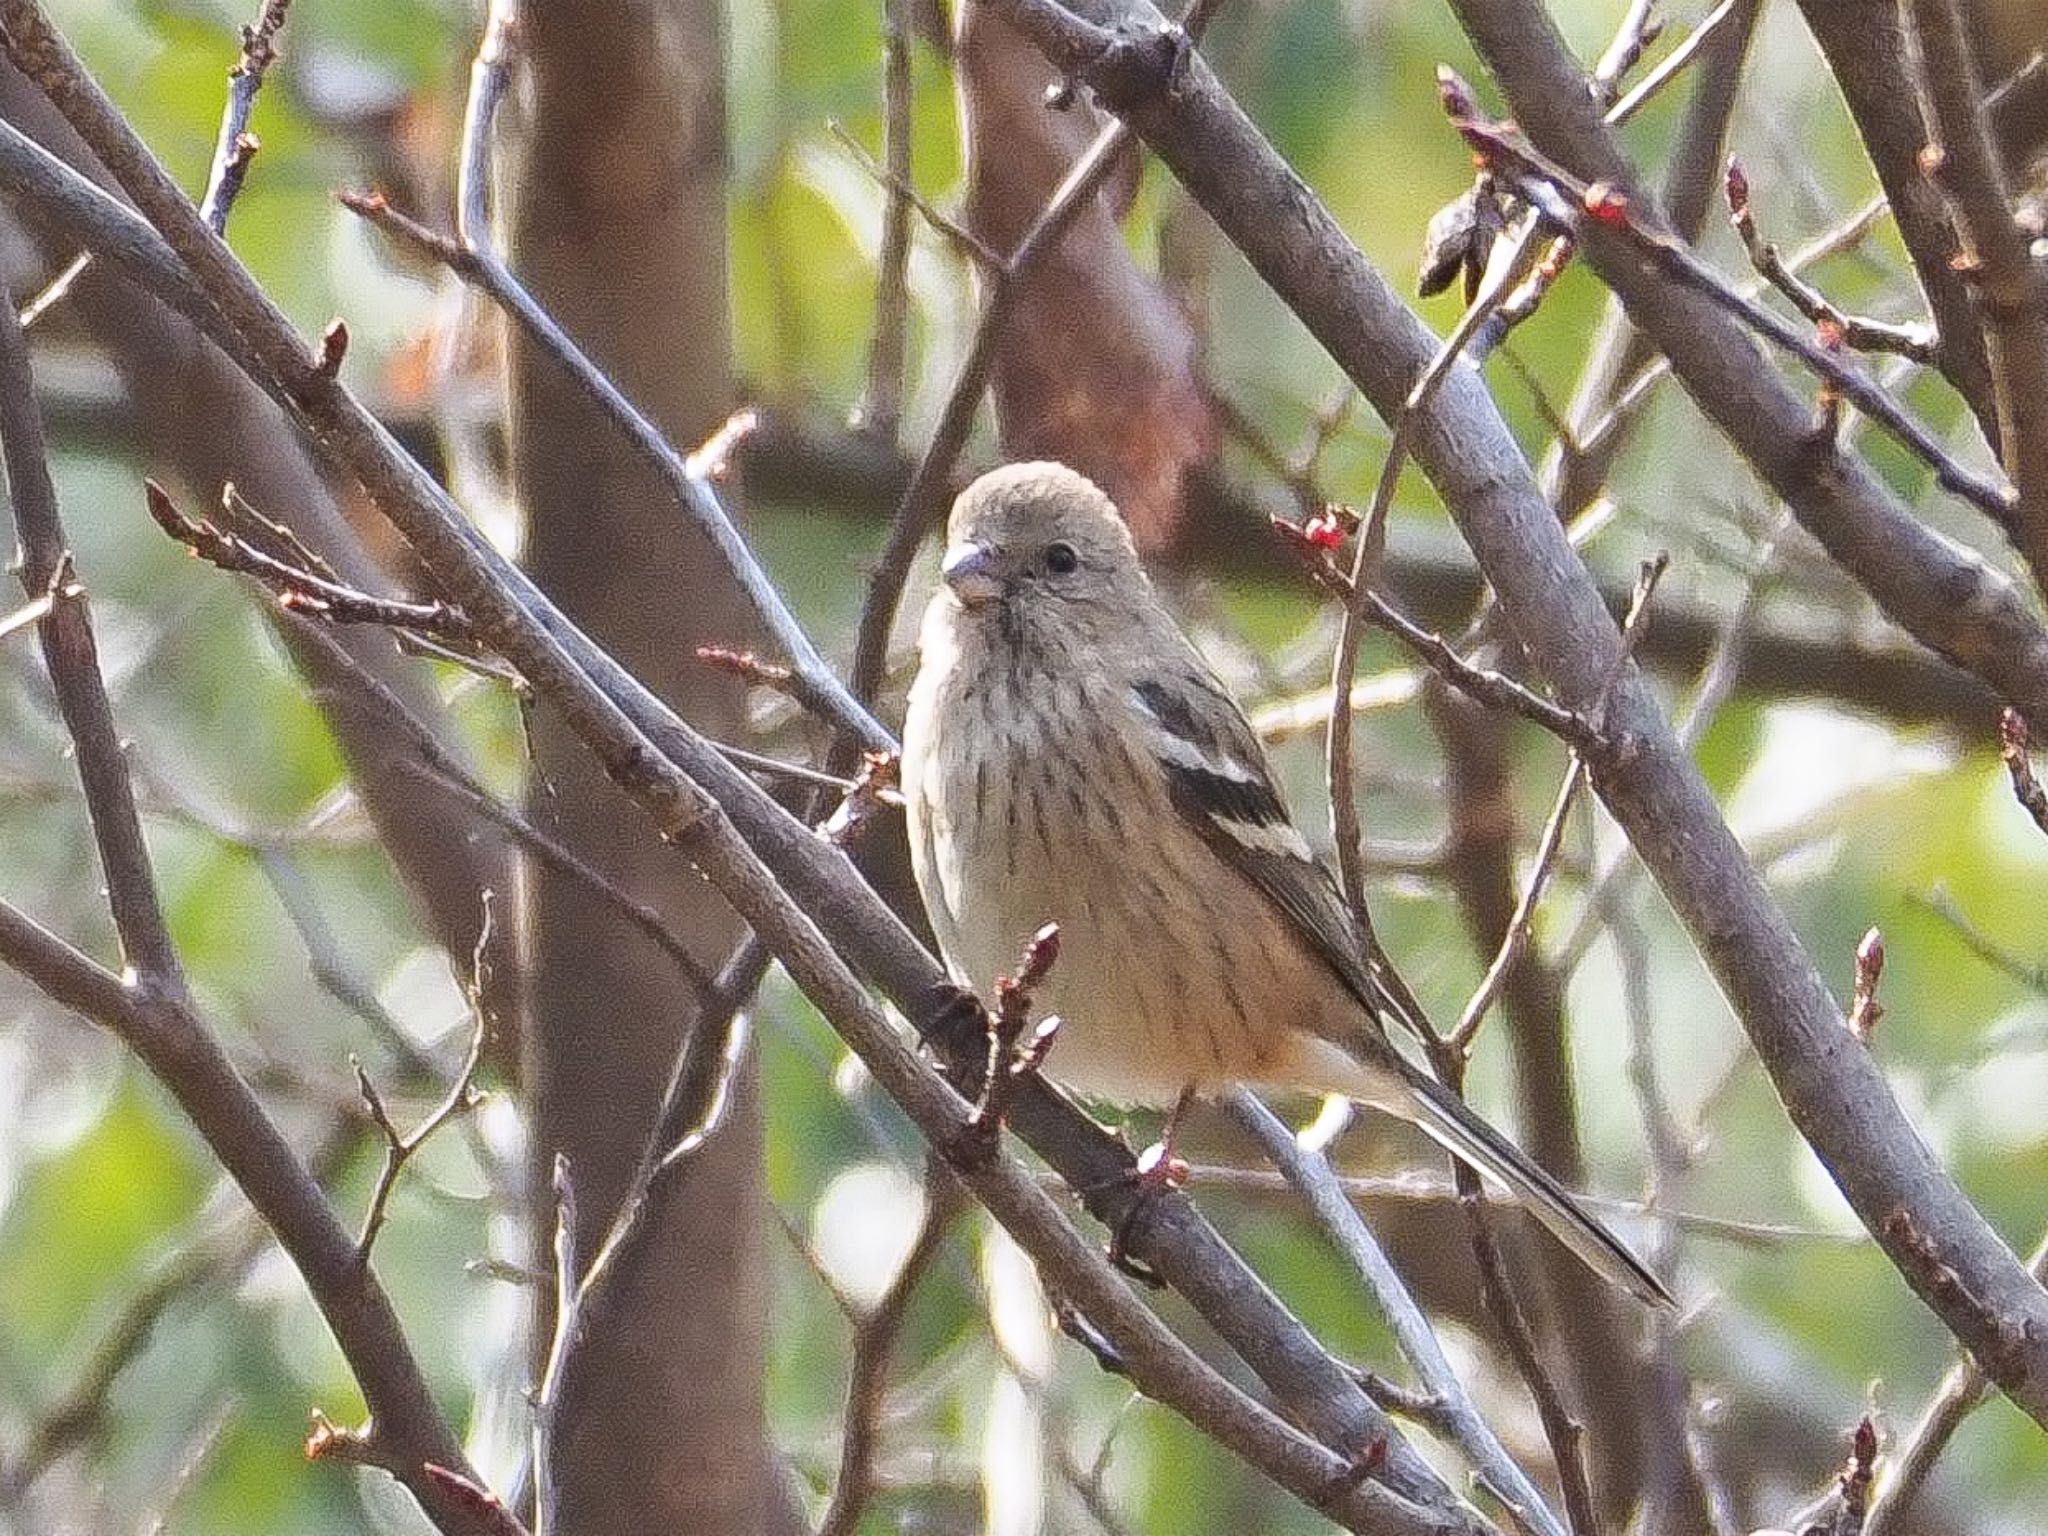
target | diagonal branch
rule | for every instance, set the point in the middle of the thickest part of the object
(1835, 1093)
(1866, 47)
(1994, 258)
(152, 1012)
(662, 764)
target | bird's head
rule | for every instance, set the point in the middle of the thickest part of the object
(1040, 537)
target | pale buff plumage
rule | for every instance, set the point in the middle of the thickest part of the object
(1069, 758)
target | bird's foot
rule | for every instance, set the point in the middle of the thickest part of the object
(1159, 1171)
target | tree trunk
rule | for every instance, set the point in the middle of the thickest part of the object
(614, 199)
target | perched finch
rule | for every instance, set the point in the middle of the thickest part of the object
(1069, 758)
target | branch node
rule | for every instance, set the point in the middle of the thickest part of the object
(2015, 747)
(1074, 1323)
(1137, 64)
(332, 349)
(1864, 1008)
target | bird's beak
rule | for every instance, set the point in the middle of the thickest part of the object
(970, 570)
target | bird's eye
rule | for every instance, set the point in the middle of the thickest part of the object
(1061, 558)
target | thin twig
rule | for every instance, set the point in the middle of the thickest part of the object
(2026, 972)
(150, 1007)
(881, 407)
(474, 258)
(1338, 763)
(236, 145)
(874, 1345)
(1994, 257)
(1435, 1189)
(1453, 1412)
(922, 503)
(958, 235)
(1495, 690)
(1567, 201)
(1857, 332)
(2015, 747)
(1912, 1463)
(462, 1096)
(1523, 922)
(568, 1317)
(1564, 1433)
(422, 753)
(301, 588)
(1552, 842)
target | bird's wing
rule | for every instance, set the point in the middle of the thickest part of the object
(1221, 782)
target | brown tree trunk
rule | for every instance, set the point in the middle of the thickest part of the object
(614, 198)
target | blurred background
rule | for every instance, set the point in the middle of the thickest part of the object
(159, 1359)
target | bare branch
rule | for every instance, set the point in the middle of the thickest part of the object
(1912, 1463)
(1863, 335)
(2015, 746)
(309, 588)
(924, 499)
(463, 1095)
(874, 1344)
(476, 261)
(150, 1008)
(1576, 204)
(1845, 1108)
(1867, 49)
(644, 747)
(1450, 1407)
(1994, 258)
(236, 146)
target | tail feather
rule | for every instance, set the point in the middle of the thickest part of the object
(1447, 1119)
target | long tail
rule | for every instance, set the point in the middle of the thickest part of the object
(1448, 1120)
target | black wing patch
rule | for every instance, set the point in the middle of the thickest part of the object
(1219, 780)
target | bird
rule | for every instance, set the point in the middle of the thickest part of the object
(1069, 758)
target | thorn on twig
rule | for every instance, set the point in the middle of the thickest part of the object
(332, 349)
(329, 1441)
(713, 459)
(1864, 1008)
(2015, 746)
(1074, 1323)
(874, 788)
